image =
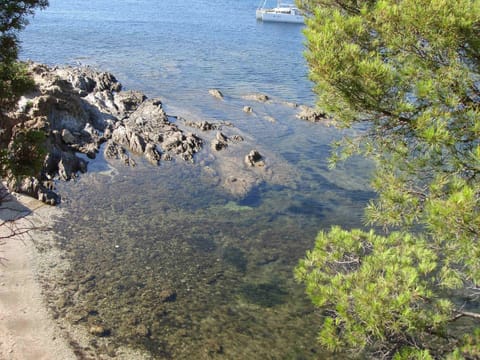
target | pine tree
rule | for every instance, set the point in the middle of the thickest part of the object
(408, 71)
(20, 150)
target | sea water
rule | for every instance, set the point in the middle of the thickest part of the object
(163, 257)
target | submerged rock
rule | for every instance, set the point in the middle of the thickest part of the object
(256, 97)
(99, 330)
(142, 330)
(206, 125)
(254, 158)
(167, 295)
(216, 93)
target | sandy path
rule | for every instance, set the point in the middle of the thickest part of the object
(26, 330)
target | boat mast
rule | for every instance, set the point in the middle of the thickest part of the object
(262, 4)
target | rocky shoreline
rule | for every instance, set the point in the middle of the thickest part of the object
(84, 111)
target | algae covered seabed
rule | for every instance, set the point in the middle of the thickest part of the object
(164, 259)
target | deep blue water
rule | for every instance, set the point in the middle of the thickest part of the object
(149, 230)
(176, 50)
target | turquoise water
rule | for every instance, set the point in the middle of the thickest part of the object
(163, 257)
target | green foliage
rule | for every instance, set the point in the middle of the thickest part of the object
(25, 154)
(19, 158)
(373, 287)
(13, 18)
(407, 70)
(14, 81)
(470, 348)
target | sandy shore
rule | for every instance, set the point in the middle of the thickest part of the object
(26, 329)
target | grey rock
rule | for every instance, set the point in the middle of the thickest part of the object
(69, 165)
(221, 137)
(257, 97)
(206, 125)
(311, 114)
(68, 137)
(136, 143)
(218, 145)
(216, 93)
(254, 158)
(237, 138)
(129, 101)
(90, 150)
(80, 109)
(34, 188)
(115, 151)
(152, 154)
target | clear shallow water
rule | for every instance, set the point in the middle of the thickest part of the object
(163, 257)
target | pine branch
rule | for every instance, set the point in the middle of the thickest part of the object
(470, 314)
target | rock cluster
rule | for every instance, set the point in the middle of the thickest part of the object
(84, 111)
(148, 131)
(79, 109)
(313, 115)
(206, 125)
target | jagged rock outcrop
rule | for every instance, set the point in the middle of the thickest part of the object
(314, 115)
(35, 188)
(84, 111)
(79, 109)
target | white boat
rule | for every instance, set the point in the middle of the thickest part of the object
(283, 12)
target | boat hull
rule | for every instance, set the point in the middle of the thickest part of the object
(271, 16)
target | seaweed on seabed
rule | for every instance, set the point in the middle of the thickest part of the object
(265, 294)
(202, 243)
(235, 257)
